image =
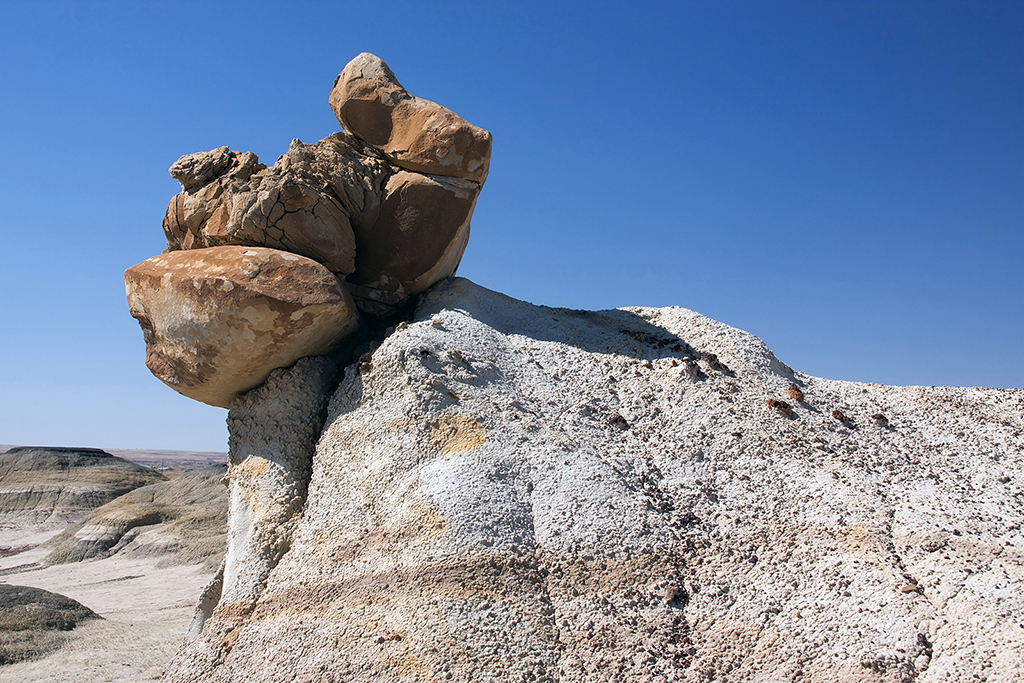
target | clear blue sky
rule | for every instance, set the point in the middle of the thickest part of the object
(843, 179)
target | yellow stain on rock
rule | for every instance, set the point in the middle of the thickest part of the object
(455, 433)
(253, 466)
(861, 540)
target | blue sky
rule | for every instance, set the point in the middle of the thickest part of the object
(843, 179)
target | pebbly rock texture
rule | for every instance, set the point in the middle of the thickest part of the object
(510, 492)
(217, 321)
(388, 216)
(413, 133)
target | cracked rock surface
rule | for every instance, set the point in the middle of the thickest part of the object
(305, 203)
(510, 492)
(389, 214)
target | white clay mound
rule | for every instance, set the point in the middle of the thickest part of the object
(519, 493)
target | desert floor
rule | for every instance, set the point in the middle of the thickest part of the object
(146, 606)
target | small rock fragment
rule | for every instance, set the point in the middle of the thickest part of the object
(366, 363)
(880, 420)
(841, 416)
(781, 406)
(676, 596)
(713, 362)
(794, 393)
(618, 422)
(691, 368)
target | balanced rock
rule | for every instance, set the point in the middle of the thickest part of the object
(413, 133)
(217, 321)
(387, 204)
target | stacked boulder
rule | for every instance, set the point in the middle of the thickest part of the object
(268, 265)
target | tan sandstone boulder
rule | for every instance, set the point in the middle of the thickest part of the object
(217, 321)
(306, 203)
(418, 238)
(413, 133)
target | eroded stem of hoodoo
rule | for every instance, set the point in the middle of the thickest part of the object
(273, 434)
(509, 492)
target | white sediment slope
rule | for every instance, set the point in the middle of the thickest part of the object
(145, 605)
(510, 492)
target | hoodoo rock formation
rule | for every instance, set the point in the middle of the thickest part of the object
(489, 490)
(383, 207)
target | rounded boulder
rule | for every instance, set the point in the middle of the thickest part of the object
(217, 321)
(413, 133)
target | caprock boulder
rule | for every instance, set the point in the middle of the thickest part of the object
(265, 266)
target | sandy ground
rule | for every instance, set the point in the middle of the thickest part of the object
(146, 609)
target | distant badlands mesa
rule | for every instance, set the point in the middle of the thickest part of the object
(430, 481)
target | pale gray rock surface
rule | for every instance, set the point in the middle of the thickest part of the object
(507, 492)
